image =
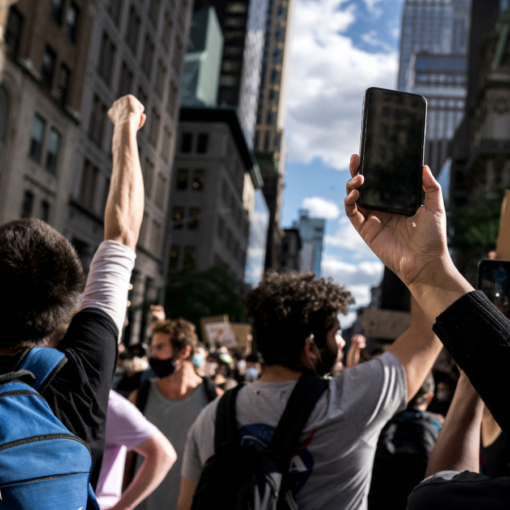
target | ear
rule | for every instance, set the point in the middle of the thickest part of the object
(309, 354)
(184, 353)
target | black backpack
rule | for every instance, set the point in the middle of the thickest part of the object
(256, 478)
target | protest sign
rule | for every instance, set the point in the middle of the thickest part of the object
(385, 324)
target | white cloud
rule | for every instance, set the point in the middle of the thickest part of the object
(326, 82)
(371, 4)
(321, 208)
(347, 237)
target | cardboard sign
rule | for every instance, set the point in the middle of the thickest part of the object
(241, 332)
(385, 324)
(503, 247)
(216, 329)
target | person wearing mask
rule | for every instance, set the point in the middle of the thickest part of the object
(127, 429)
(41, 277)
(471, 328)
(173, 400)
(295, 326)
(403, 451)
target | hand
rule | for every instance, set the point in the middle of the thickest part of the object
(359, 341)
(127, 110)
(412, 247)
(158, 312)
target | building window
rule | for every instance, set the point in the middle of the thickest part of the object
(45, 211)
(233, 50)
(57, 11)
(52, 151)
(126, 80)
(229, 81)
(275, 76)
(231, 66)
(160, 191)
(13, 29)
(186, 142)
(36, 140)
(202, 143)
(221, 227)
(182, 180)
(270, 117)
(154, 130)
(97, 121)
(167, 144)
(156, 237)
(174, 257)
(198, 180)
(148, 56)
(148, 177)
(236, 8)
(190, 257)
(166, 36)
(161, 79)
(73, 14)
(194, 218)
(178, 54)
(27, 205)
(178, 217)
(133, 29)
(154, 11)
(235, 22)
(115, 9)
(106, 59)
(88, 183)
(171, 103)
(48, 67)
(142, 238)
(63, 84)
(257, 137)
(266, 141)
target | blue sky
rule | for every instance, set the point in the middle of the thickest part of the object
(338, 49)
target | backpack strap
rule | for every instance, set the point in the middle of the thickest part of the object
(225, 429)
(209, 388)
(44, 363)
(143, 395)
(302, 401)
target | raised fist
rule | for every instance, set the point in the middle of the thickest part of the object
(127, 109)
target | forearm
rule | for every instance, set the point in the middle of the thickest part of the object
(458, 445)
(124, 208)
(353, 356)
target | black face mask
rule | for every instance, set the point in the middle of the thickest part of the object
(163, 367)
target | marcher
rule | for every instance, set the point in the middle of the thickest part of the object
(295, 326)
(127, 429)
(41, 277)
(173, 400)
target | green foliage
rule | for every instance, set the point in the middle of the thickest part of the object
(193, 294)
(473, 231)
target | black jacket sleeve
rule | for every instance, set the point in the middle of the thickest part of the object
(477, 335)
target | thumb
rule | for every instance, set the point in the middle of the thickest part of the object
(433, 193)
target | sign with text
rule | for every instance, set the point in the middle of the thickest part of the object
(217, 331)
(385, 324)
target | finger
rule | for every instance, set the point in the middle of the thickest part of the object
(142, 121)
(351, 209)
(493, 255)
(433, 195)
(354, 164)
(354, 183)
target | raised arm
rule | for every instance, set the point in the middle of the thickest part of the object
(417, 349)
(458, 445)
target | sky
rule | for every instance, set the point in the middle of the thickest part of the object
(338, 49)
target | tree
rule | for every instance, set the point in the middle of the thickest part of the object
(193, 294)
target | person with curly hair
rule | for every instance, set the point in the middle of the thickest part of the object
(296, 329)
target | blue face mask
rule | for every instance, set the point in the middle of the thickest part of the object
(198, 360)
(251, 374)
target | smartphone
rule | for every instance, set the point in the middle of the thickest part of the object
(391, 151)
(494, 281)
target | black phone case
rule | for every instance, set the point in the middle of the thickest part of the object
(360, 201)
(488, 262)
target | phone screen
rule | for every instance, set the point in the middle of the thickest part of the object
(494, 281)
(392, 151)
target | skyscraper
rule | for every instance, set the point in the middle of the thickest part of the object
(433, 50)
(242, 22)
(311, 231)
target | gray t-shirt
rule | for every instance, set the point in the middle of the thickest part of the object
(174, 419)
(333, 463)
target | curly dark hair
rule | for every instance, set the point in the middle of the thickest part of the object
(41, 277)
(287, 308)
(182, 334)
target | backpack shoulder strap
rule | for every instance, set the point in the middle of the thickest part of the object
(143, 395)
(307, 392)
(44, 363)
(225, 429)
(209, 388)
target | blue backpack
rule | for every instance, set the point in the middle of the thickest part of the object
(42, 465)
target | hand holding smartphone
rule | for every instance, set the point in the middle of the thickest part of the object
(391, 151)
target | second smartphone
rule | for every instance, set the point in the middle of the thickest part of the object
(494, 281)
(391, 151)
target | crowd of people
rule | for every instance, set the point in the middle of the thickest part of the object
(420, 423)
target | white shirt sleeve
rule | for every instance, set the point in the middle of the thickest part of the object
(108, 280)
